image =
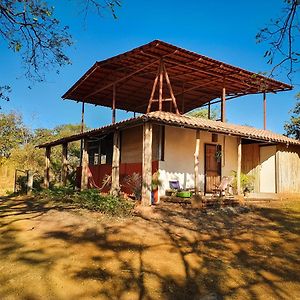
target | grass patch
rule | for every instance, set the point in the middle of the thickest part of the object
(90, 199)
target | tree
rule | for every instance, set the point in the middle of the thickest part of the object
(13, 133)
(281, 35)
(203, 113)
(292, 127)
(30, 28)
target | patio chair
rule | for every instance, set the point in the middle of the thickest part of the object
(224, 188)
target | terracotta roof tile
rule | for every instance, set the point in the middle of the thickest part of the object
(185, 121)
(222, 127)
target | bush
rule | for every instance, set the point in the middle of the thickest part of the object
(247, 182)
(90, 199)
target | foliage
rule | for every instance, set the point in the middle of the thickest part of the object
(292, 127)
(203, 113)
(31, 29)
(281, 36)
(134, 183)
(18, 146)
(247, 182)
(156, 182)
(4, 91)
(90, 199)
(13, 133)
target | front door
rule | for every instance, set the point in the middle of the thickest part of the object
(213, 160)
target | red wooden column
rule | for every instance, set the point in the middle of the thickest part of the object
(82, 117)
(114, 105)
(223, 105)
(265, 110)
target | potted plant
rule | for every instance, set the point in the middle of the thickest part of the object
(247, 183)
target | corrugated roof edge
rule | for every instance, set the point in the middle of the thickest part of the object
(183, 121)
(155, 43)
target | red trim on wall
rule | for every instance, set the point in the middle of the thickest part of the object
(98, 172)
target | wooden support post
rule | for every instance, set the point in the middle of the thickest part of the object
(196, 163)
(47, 168)
(115, 173)
(82, 117)
(113, 119)
(153, 90)
(84, 165)
(208, 112)
(170, 89)
(29, 182)
(64, 168)
(223, 105)
(147, 165)
(182, 93)
(160, 87)
(239, 167)
(265, 110)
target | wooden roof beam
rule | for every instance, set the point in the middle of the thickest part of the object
(119, 80)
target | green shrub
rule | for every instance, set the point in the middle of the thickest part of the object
(247, 182)
(90, 199)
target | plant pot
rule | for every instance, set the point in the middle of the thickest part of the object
(154, 197)
(184, 194)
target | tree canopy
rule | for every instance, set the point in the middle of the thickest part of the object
(203, 113)
(281, 35)
(18, 145)
(30, 28)
(292, 127)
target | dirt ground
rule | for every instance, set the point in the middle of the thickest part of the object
(169, 252)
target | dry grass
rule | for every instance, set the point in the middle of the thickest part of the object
(171, 252)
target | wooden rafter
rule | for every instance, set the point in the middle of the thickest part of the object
(161, 82)
(153, 90)
(120, 79)
(170, 89)
(161, 74)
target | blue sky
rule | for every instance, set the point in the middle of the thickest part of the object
(224, 30)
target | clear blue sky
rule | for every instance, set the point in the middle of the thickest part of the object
(224, 30)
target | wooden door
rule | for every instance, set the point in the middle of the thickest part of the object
(212, 167)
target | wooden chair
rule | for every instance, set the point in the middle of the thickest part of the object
(223, 189)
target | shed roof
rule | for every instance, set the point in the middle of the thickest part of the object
(195, 79)
(186, 121)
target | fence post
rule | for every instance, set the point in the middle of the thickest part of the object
(29, 182)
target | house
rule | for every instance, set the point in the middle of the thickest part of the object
(161, 83)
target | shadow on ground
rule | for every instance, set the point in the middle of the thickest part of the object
(170, 252)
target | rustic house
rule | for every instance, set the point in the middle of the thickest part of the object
(161, 83)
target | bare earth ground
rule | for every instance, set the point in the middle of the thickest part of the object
(171, 252)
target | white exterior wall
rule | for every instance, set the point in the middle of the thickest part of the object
(267, 169)
(179, 156)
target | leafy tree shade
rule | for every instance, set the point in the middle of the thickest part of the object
(13, 133)
(29, 27)
(282, 36)
(203, 113)
(18, 145)
(292, 127)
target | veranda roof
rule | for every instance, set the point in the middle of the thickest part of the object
(185, 121)
(195, 79)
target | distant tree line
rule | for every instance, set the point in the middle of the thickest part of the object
(18, 146)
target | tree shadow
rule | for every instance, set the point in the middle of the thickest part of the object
(175, 253)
